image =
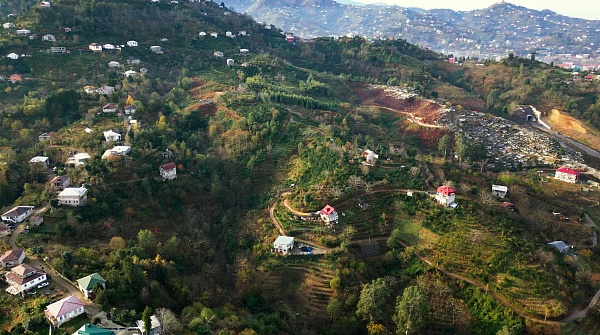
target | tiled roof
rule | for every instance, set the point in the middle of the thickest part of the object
(12, 255)
(446, 190)
(168, 166)
(327, 210)
(64, 306)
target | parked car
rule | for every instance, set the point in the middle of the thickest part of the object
(42, 285)
(31, 292)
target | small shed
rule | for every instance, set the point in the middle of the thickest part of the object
(561, 246)
(499, 190)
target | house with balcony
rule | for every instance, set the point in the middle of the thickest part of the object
(445, 195)
(73, 196)
(64, 310)
(23, 278)
(17, 214)
(329, 215)
(168, 171)
(59, 183)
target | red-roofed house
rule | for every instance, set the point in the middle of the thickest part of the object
(24, 277)
(329, 215)
(445, 195)
(567, 174)
(168, 171)
(12, 258)
(64, 310)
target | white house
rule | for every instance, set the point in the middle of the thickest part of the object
(283, 244)
(110, 108)
(64, 310)
(12, 258)
(45, 4)
(113, 64)
(95, 47)
(200, 34)
(499, 190)
(108, 46)
(168, 171)
(49, 38)
(228, 34)
(59, 183)
(105, 90)
(12, 55)
(132, 43)
(8, 25)
(329, 215)
(17, 214)
(218, 54)
(230, 62)
(445, 195)
(24, 277)
(129, 110)
(156, 49)
(73, 196)
(23, 32)
(369, 156)
(43, 137)
(213, 34)
(130, 73)
(244, 51)
(40, 161)
(567, 174)
(119, 150)
(78, 159)
(111, 136)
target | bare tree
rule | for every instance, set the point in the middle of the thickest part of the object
(355, 181)
(169, 323)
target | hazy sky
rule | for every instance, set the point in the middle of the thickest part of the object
(588, 9)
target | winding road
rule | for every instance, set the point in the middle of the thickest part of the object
(576, 314)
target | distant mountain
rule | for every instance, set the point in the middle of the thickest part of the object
(495, 30)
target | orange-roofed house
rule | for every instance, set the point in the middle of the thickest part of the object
(445, 195)
(567, 174)
(329, 215)
(64, 310)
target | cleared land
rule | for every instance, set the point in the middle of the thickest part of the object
(573, 128)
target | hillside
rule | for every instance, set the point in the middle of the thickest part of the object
(488, 32)
(263, 133)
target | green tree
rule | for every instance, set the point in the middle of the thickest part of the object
(411, 310)
(462, 147)
(444, 144)
(146, 319)
(373, 300)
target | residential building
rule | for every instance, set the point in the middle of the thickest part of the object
(218, 54)
(129, 109)
(4, 230)
(13, 56)
(105, 90)
(132, 43)
(119, 150)
(12, 258)
(58, 50)
(499, 190)
(89, 329)
(40, 161)
(24, 277)
(78, 159)
(17, 214)
(130, 73)
(95, 47)
(8, 25)
(14, 78)
(168, 171)
(64, 310)
(59, 183)
(111, 136)
(23, 32)
(110, 108)
(87, 284)
(329, 215)
(567, 174)
(445, 195)
(369, 156)
(213, 34)
(43, 137)
(49, 38)
(108, 47)
(45, 4)
(113, 64)
(156, 49)
(73, 196)
(200, 34)
(283, 244)
(561, 246)
(230, 62)
(155, 327)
